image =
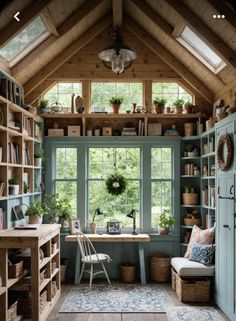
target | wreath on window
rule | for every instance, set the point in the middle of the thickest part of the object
(225, 140)
(116, 184)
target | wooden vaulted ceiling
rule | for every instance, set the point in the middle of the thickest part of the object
(80, 29)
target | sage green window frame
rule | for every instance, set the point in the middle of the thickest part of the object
(145, 144)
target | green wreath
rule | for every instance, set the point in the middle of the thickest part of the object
(116, 184)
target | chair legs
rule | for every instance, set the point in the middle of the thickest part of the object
(91, 276)
(81, 273)
(105, 271)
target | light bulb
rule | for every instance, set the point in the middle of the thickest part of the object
(117, 63)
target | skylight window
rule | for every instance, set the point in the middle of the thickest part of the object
(24, 41)
(191, 41)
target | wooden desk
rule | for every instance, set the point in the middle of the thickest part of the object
(119, 238)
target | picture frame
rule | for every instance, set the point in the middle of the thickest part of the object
(74, 226)
(107, 131)
(113, 227)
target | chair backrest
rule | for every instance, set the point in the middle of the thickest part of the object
(85, 245)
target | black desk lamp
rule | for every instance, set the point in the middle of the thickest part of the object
(132, 215)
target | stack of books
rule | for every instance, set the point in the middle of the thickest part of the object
(13, 153)
(128, 131)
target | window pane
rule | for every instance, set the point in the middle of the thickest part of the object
(102, 92)
(66, 163)
(161, 199)
(23, 39)
(68, 190)
(161, 163)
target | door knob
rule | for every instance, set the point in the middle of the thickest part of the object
(226, 226)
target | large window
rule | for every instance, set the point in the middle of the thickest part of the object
(102, 92)
(66, 175)
(102, 163)
(62, 93)
(162, 182)
(25, 40)
(170, 91)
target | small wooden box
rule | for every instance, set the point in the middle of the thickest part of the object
(55, 132)
(73, 130)
(107, 131)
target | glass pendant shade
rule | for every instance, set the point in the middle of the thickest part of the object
(117, 56)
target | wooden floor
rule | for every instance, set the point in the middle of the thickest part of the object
(55, 316)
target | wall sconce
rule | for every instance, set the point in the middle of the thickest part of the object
(132, 215)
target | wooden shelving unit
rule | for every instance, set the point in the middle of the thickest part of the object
(20, 135)
(43, 238)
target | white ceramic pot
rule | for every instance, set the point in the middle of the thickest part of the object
(35, 219)
(38, 162)
(14, 189)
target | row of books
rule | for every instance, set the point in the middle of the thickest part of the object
(209, 200)
(27, 160)
(11, 91)
(129, 131)
(27, 126)
(13, 153)
(2, 187)
(1, 219)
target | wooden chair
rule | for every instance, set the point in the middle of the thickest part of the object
(90, 257)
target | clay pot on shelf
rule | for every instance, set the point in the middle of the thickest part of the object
(179, 109)
(164, 230)
(116, 108)
(159, 108)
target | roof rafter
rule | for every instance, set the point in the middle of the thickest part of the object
(75, 18)
(117, 10)
(222, 8)
(26, 16)
(169, 59)
(213, 41)
(66, 54)
(38, 91)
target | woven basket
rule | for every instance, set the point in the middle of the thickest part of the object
(193, 290)
(192, 221)
(190, 198)
(14, 270)
(160, 267)
(173, 279)
(12, 312)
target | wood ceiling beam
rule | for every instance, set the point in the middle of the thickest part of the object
(117, 11)
(222, 8)
(26, 16)
(66, 54)
(169, 59)
(213, 41)
(47, 19)
(75, 18)
(37, 93)
(153, 15)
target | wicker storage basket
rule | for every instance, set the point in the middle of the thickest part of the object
(12, 312)
(190, 198)
(160, 267)
(128, 273)
(193, 290)
(173, 279)
(25, 305)
(14, 270)
(192, 221)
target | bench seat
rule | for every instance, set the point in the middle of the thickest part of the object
(186, 268)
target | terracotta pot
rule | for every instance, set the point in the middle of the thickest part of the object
(164, 230)
(93, 228)
(127, 273)
(189, 109)
(159, 109)
(179, 109)
(35, 219)
(190, 198)
(116, 108)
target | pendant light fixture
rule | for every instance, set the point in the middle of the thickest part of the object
(117, 56)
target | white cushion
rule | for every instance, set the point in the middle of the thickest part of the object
(184, 267)
(100, 257)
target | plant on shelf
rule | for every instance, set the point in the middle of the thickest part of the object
(165, 222)
(116, 184)
(43, 105)
(178, 103)
(192, 218)
(38, 157)
(190, 196)
(35, 211)
(190, 151)
(189, 107)
(116, 101)
(14, 186)
(159, 104)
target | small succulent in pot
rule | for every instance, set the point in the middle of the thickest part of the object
(179, 106)
(35, 211)
(116, 101)
(166, 221)
(14, 186)
(43, 105)
(159, 104)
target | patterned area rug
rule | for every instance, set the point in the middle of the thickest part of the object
(181, 313)
(116, 298)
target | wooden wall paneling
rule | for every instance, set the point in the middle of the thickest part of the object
(10, 9)
(66, 54)
(26, 16)
(117, 11)
(78, 17)
(169, 59)
(223, 9)
(147, 95)
(86, 94)
(4, 65)
(204, 32)
(36, 94)
(228, 94)
(47, 18)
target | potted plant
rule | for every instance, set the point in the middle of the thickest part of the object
(159, 104)
(38, 157)
(14, 186)
(35, 211)
(43, 105)
(65, 213)
(116, 101)
(179, 106)
(165, 222)
(190, 196)
(188, 107)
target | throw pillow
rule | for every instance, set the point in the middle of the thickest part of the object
(201, 237)
(202, 253)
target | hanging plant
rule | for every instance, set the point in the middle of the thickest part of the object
(116, 184)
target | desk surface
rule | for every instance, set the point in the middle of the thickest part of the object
(112, 238)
